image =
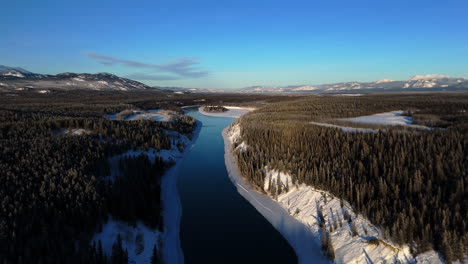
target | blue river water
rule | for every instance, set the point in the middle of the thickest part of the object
(218, 225)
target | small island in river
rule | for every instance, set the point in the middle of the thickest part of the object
(214, 109)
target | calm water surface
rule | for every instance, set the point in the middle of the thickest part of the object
(218, 225)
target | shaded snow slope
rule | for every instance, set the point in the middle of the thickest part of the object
(138, 240)
(305, 203)
(172, 207)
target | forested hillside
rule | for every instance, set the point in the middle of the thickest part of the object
(56, 191)
(412, 183)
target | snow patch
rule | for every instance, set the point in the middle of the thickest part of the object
(156, 115)
(305, 88)
(393, 118)
(138, 240)
(348, 94)
(388, 118)
(430, 257)
(427, 77)
(71, 132)
(13, 73)
(276, 177)
(346, 129)
(384, 81)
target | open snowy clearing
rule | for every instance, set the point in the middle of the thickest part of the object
(345, 128)
(233, 111)
(295, 214)
(393, 118)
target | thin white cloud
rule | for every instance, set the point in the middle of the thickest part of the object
(180, 68)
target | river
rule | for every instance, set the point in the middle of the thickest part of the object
(218, 225)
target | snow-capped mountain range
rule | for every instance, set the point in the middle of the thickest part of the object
(15, 78)
(15, 72)
(429, 82)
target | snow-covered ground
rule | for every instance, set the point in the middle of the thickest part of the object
(71, 132)
(348, 94)
(305, 203)
(172, 207)
(138, 240)
(233, 111)
(141, 252)
(295, 214)
(305, 243)
(393, 118)
(345, 128)
(156, 115)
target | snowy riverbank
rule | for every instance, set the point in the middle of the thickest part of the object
(139, 240)
(296, 212)
(172, 207)
(305, 243)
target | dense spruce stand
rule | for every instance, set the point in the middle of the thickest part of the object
(412, 183)
(56, 193)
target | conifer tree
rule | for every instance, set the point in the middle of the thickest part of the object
(155, 255)
(324, 238)
(330, 249)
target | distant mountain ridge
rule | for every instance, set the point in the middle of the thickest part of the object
(16, 78)
(15, 72)
(429, 82)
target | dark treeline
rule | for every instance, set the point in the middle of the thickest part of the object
(411, 183)
(135, 194)
(56, 192)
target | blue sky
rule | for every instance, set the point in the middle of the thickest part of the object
(233, 44)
